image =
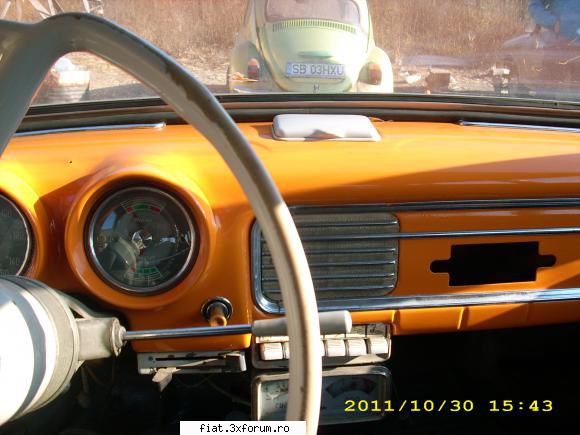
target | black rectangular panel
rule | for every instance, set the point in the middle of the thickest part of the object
(493, 263)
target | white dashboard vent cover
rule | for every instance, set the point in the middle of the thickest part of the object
(324, 127)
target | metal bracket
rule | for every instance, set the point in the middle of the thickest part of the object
(224, 361)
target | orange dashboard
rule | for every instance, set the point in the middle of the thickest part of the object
(510, 193)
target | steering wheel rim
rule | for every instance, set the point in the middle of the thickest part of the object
(48, 40)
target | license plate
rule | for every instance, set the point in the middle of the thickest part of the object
(318, 70)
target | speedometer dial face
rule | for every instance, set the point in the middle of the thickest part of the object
(15, 240)
(365, 384)
(142, 240)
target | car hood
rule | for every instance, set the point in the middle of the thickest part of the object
(313, 41)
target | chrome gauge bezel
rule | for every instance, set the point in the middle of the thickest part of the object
(106, 276)
(29, 237)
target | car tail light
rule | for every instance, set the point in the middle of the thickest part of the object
(254, 69)
(375, 74)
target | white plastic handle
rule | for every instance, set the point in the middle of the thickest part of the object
(332, 322)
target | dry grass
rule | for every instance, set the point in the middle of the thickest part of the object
(177, 26)
(445, 27)
(181, 27)
(402, 27)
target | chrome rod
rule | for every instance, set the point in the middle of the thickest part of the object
(382, 303)
(464, 204)
(201, 331)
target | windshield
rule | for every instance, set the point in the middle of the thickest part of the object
(525, 49)
(344, 11)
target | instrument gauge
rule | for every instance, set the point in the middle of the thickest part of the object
(15, 241)
(142, 240)
(356, 384)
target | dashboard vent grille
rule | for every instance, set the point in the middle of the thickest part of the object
(348, 257)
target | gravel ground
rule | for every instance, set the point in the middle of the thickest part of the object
(109, 82)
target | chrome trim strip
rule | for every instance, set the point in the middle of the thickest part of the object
(157, 125)
(350, 288)
(349, 251)
(474, 204)
(413, 102)
(462, 233)
(354, 263)
(451, 300)
(478, 204)
(482, 298)
(262, 302)
(348, 276)
(520, 126)
(445, 234)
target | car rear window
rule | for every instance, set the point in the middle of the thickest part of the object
(344, 11)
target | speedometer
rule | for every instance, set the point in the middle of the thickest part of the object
(142, 240)
(15, 239)
(356, 384)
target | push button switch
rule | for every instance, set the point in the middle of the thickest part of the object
(356, 347)
(271, 351)
(377, 345)
(335, 347)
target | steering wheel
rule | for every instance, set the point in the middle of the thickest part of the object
(29, 50)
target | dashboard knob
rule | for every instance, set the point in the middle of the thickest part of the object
(217, 311)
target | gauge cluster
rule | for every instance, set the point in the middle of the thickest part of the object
(141, 240)
(15, 241)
